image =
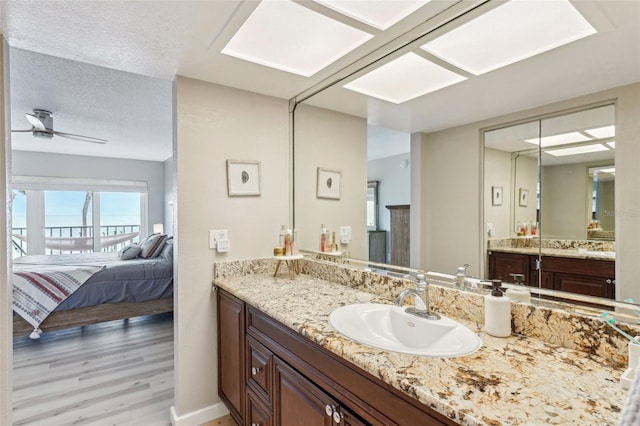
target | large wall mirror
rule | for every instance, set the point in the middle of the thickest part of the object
(449, 193)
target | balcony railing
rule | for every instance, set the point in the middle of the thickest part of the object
(81, 236)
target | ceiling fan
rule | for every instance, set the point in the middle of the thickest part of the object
(42, 127)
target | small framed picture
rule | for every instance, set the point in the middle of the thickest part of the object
(328, 183)
(523, 197)
(496, 195)
(243, 177)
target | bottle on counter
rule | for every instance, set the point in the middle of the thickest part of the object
(283, 233)
(497, 311)
(324, 239)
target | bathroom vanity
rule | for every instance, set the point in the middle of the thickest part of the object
(281, 361)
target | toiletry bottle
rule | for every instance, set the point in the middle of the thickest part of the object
(288, 242)
(497, 312)
(283, 232)
(520, 294)
(324, 237)
(334, 246)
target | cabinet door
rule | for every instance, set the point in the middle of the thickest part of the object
(298, 401)
(582, 284)
(501, 265)
(231, 383)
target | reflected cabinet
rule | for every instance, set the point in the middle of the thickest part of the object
(590, 277)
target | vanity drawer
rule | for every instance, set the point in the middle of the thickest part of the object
(257, 413)
(260, 368)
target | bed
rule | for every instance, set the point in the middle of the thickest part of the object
(119, 289)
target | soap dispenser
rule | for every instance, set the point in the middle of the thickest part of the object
(497, 311)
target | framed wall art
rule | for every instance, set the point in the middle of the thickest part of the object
(243, 178)
(328, 185)
(523, 197)
(496, 195)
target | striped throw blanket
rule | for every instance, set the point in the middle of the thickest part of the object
(38, 290)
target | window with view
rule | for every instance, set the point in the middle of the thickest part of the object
(55, 217)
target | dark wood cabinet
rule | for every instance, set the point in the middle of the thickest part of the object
(400, 235)
(378, 246)
(503, 265)
(231, 343)
(287, 379)
(298, 398)
(591, 277)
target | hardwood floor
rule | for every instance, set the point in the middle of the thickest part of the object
(222, 421)
(115, 373)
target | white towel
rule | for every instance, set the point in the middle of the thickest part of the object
(630, 415)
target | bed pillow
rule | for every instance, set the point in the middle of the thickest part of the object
(130, 252)
(153, 245)
(167, 251)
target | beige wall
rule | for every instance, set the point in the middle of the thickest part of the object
(526, 177)
(497, 172)
(336, 141)
(6, 349)
(214, 124)
(450, 210)
(565, 201)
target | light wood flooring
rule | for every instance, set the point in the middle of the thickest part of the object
(115, 373)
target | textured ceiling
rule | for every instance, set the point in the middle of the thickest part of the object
(133, 112)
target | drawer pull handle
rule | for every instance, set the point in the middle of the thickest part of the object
(255, 370)
(337, 417)
(329, 410)
(608, 281)
(255, 424)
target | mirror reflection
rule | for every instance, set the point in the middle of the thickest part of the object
(451, 212)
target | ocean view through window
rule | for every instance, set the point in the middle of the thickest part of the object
(56, 221)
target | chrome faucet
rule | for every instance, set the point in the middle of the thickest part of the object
(421, 299)
(461, 276)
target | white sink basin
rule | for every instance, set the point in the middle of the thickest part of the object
(389, 327)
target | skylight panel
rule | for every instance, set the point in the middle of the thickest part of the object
(602, 132)
(514, 31)
(284, 35)
(405, 78)
(576, 150)
(378, 14)
(561, 139)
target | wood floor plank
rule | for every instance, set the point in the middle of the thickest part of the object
(118, 373)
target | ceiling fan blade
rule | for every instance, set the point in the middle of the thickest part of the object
(79, 137)
(35, 121)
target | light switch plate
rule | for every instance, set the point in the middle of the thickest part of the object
(345, 234)
(216, 235)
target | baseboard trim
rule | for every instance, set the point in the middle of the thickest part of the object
(198, 417)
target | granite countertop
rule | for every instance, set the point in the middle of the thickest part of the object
(558, 252)
(508, 381)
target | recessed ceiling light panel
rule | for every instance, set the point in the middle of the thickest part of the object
(576, 150)
(510, 33)
(602, 132)
(561, 139)
(378, 14)
(284, 35)
(403, 79)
